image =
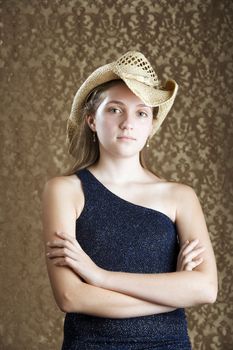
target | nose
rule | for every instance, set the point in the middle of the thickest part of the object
(127, 122)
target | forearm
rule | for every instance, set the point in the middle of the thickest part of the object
(74, 295)
(100, 302)
(176, 289)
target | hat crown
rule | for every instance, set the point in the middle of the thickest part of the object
(134, 65)
(137, 73)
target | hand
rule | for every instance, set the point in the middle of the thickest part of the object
(66, 251)
(188, 256)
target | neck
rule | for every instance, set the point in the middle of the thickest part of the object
(119, 170)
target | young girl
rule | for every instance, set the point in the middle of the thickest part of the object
(126, 250)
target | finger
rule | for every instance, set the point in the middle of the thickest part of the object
(64, 235)
(65, 262)
(193, 264)
(186, 243)
(198, 261)
(179, 258)
(55, 243)
(190, 246)
(62, 253)
(187, 247)
(67, 237)
(61, 244)
(194, 253)
(189, 266)
(62, 261)
(189, 258)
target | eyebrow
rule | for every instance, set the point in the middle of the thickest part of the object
(122, 103)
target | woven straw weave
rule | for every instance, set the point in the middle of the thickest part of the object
(137, 73)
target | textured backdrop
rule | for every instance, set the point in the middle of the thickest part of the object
(47, 49)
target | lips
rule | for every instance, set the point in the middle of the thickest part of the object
(126, 138)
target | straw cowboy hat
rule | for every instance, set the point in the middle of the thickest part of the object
(137, 73)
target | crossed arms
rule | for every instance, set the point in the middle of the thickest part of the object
(79, 285)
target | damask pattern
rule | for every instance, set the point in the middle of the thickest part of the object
(47, 49)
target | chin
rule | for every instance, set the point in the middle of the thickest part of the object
(123, 149)
(126, 153)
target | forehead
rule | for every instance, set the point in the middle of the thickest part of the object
(121, 92)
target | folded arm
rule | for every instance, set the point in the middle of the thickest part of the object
(176, 289)
(70, 292)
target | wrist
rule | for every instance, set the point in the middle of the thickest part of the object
(100, 278)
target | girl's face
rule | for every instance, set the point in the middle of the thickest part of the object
(122, 122)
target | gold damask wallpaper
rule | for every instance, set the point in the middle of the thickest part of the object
(47, 49)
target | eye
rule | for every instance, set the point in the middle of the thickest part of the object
(114, 110)
(143, 114)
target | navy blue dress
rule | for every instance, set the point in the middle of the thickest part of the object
(122, 236)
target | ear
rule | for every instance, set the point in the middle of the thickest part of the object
(90, 119)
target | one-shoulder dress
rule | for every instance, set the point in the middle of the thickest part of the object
(121, 236)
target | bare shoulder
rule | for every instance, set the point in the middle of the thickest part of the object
(61, 183)
(65, 188)
(185, 200)
(166, 196)
(181, 194)
(173, 189)
(174, 198)
(180, 190)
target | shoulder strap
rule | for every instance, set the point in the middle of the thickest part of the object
(91, 188)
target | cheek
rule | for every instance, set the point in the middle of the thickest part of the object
(106, 125)
(144, 127)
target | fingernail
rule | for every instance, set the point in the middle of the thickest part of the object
(48, 243)
(48, 254)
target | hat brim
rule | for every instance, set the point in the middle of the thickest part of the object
(151, 96)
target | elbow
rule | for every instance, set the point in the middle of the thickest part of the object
(66, 303)
(210, 294)
(71, 298)
(213, 294)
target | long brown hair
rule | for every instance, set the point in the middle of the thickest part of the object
(82, 145)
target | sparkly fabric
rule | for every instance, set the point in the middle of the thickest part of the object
(122, 236)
